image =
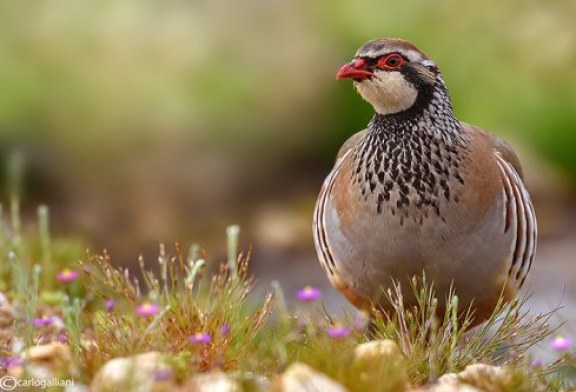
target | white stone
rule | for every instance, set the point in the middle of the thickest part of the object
(474, 378)
(302, 378)
(380, 354)
(134, 374)
(378, 350)
(215, 381)
(46, 361)
(76, 388)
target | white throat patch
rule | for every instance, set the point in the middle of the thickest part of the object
(388, 92)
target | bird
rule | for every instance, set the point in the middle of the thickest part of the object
(420, 193)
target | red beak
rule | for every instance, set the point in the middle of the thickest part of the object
(354, 70)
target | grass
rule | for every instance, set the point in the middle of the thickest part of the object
(188, 304)
(204, 318)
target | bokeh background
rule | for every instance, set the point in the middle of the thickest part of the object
(143, 121)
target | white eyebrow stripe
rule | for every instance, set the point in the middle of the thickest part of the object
(409, 54)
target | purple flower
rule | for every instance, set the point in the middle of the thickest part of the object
(62, 338)
(338, 332)
(162, 375)
(110, 305)
(536, 363)
(200, 338)
(40, 322)
(67, 275)
(225, 329)
(309, 293)
(147, 309)
(12, 362)
(561, 343)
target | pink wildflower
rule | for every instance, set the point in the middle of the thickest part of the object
(225, 329)
(67, 275)
(40, 322)
(110, 305)
(147, 309)
(561, 343)
(338, 332)
(309, 293)
(200, 338)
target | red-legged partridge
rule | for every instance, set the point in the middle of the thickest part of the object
(418, 192)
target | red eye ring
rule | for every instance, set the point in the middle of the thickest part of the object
(391, 62)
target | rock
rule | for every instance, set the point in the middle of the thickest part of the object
(302, 378)
(382, 358)
(140, 373)
(76, 388)
(457, 387)
(215, 381)
(476, 378)
(46, 361)
(378, 350)
(219, 381)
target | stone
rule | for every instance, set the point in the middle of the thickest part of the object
(384, 359)
(46, 361)
(146, 372)
(475, 378)
(214, 381)
(76, 388)
(456, 387)
(302, 378)
(219, 381)
(378, 350)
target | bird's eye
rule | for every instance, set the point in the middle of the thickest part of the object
(391, 62)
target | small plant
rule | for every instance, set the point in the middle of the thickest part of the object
(431, 345)
(437, 345)
(206, 323)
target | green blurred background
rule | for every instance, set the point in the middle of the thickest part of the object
(160, 120)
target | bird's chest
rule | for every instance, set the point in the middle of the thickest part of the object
(401, 179)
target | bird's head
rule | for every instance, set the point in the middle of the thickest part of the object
(390, 74)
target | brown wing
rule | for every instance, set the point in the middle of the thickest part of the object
(518, 208)
(319, 228)
(501, 146)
